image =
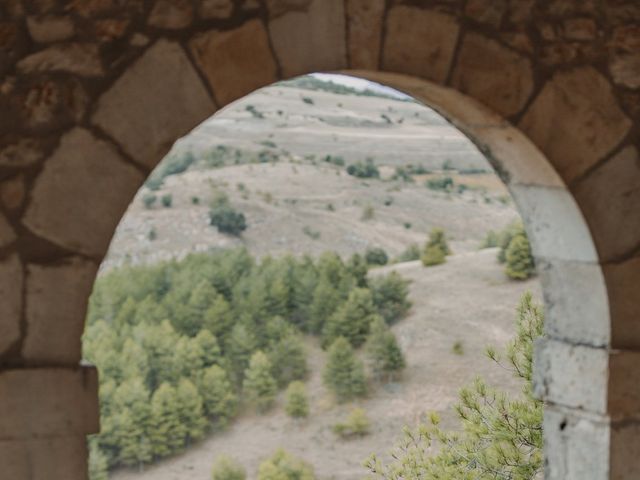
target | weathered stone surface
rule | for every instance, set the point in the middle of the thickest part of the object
(235, 62)
(280, 7)
(80, 59)
(12, 192)
(171, 14)
(610, 198)
(560, 370)
(493, 74)
(580, 29)
(622, 284)
(625, 448)
(575, 121)
(215, 8)
(21, 152)
(576, 444)
(48, 402)
(11, 304)
(488, 12)
(312, 40)
(624, 55)
(46, 458)
(145, 115)
(81, 194)
(50, 28)
(56, 306)
(365, 32)
(576, 303)
(109, 29)
(624, 389)
(554, 223)
(419, 42)
(7, 235)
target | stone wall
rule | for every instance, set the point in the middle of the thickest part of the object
(94, 92)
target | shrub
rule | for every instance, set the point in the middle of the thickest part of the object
(376, 256)
(407, 225)
(366, 169)
(253, 111)
(520, 264)
(297, 402)
(307, 100)
(410, 254)
(149, 200)
(334, 160)
(491, 240)
(403, 174)
(310, 232)
(152, 235)
(284, 466)
(195, 200)
(167, 200)
(226, 468)
(505, 236)
(439, 238)
(458, 348)
(368, 212)
(224, 217)
(433, 255)
(444, 183)
(344, 373)
(356, 425)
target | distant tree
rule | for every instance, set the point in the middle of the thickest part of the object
(218, 398)
(98, 464)
(500, 436)
(352, 319)
(356, 425)
(433, 255)
(167, 434)
(437, 237)
(390, 296)
(259, 386)
(206, 345)
(344, 373)
(219, 320)
(167, 200)
(411, 253)
(132, 415)
(505, 236)
(444, 183)
(384, 353)
(288, 358)
(223, 216)
(297, 401)
(376, 256)
(520, 264)
(326, 300)
(226, 468)
(491, 240)
(190, 411)
(284, 466)
(366, 169)
(242, 344)
(358, 268)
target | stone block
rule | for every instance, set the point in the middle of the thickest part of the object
(310, 40)
(50, 28)
(7, 234)
(56, 307)
(45, 459)
(13, 192)
(21, 152)
(625, 449)
(81, 194)
(171, 14)
(11, 277)
(575, 121)
(496, 76)
(610, 199)
(576, 303)
(419, 42)
(573, 376)
(576, 445)
(235, 62)
(624, 388)
(554, 223)
(487, 12)
(622, 285)
(209, 9)
(365, 32)
(145, 115)
(82, 59)
(48, 402)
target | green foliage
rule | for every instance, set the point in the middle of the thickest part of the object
(505, 236)
(297, 401)
(492, 240)
(149, 200)
(390, 296)
(172, 164)
(436, 249)
(376, 256)
(226, 468)
(411, 253)
(219, 402)
(368, 212)
(334, 160)
(438, 237)
(288, 358)
(357, 424)
(351, 320)
(384, 353)
(259, 386)
(344, 373)
(284, 466)
(98, 463)
(307, 100)
(443, 183)
(520, 264)
(167, 200)
(458, 348)
(500, 435)
(366, 169)
(224, 217)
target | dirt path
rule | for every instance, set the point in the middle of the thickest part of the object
(468, 299)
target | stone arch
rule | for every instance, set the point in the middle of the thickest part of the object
(95, 92)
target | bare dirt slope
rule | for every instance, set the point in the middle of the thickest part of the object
(468, 300)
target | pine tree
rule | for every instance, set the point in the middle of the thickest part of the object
(504, 239)
(242, 344)
(352, 319)
(500, 435)
(132, 416)
(433, 255)
(297, 405)
(288, 359)
(190, 411)
(167, 433)
(259, 386)
(383, 351)
(390, 293)
(207, 344)
(438, 237)
(358, 268)
(219, 320)
(98, 465)
(226, 468)
(325, 301)
(344, 373)
(218, 398)
(520, 264)
(284, 466)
